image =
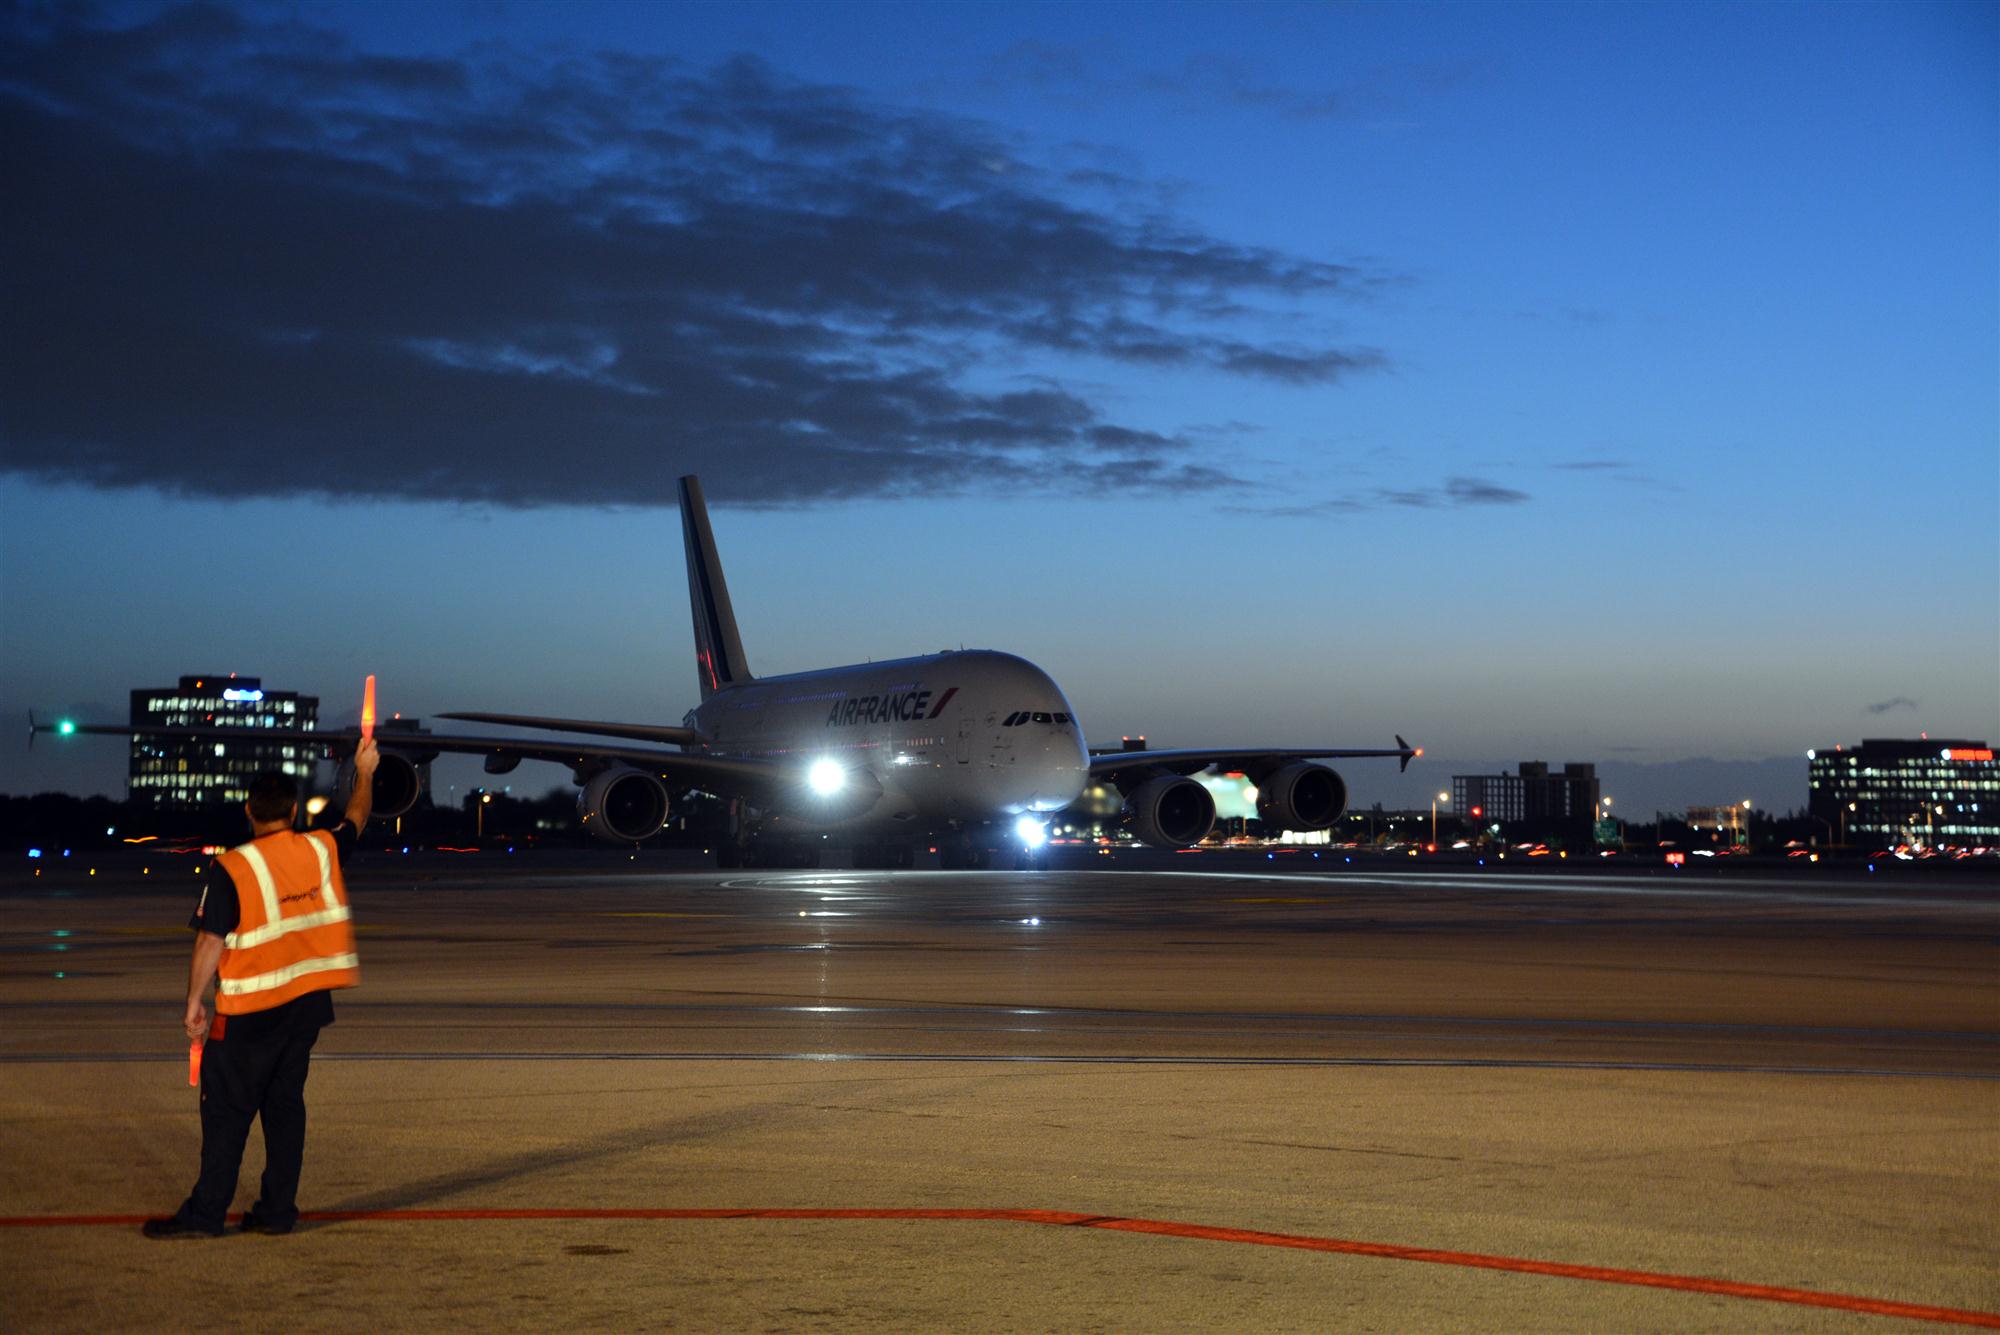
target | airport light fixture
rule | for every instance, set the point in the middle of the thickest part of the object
(1443, 799)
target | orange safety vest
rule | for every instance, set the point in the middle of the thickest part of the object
(294, 935)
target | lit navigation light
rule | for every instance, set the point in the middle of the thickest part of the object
(826, 777)
(368, 708)
(1031, 832)
(65, 727)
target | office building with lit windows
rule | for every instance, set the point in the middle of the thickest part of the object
(1888, 791)
(176, 774)
(1532, 802)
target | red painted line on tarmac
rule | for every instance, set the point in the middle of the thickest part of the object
(1652, 1279)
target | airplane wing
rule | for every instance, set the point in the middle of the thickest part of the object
(755, 781)
(1112, 764)
(642, 732)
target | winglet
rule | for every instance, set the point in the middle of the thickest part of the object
(32, 730)
(1409, 753)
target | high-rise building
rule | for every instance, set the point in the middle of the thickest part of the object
(1933, 790)
(1533, 801)
(176, 774)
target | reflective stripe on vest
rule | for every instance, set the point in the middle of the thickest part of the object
(264, 982)
(262, 871)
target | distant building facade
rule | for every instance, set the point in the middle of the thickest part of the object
(1535, 801)
(175, 775)
(1894, 790)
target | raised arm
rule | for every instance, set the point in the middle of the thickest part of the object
(362, 800)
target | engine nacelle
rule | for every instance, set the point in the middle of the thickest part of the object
(399, 782)
(1304, 796)
(1170, 812)
(622, 806)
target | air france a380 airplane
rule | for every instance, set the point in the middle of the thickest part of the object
(969, 750)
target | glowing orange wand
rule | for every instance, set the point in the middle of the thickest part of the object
(194, 1064)
(368, 708)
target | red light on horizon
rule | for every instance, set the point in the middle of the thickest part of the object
(1969, 753)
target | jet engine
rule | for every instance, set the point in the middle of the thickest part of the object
(1170, 812)
(622, 805)
(399, 782)
(1301, 797)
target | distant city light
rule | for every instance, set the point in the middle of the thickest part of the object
(234, 694)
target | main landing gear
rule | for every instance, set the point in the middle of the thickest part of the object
(962, 855)
(884, 857)
(760, 854)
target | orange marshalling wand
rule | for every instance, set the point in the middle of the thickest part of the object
(368, 708)
(194, 1064)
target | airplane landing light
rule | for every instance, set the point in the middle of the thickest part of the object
(1031, 832)
(826, 777)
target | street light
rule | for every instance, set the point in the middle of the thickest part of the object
(484, 798)
(1445, 798)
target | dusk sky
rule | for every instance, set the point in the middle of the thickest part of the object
(1602, 382)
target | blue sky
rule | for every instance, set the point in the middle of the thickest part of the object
(1596, 382)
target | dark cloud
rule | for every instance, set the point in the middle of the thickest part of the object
(1478, 491)
(1621, 471)
(249, 259)
(1211, 81)
(1892, 703)
(1454, 493)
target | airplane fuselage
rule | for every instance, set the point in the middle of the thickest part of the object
(962, 737)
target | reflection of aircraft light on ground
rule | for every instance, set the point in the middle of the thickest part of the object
(969, 751)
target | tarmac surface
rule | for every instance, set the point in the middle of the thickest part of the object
(1208, 1094)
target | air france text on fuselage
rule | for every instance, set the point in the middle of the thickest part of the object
(901, 707)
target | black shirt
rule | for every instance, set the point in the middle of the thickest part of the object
(219, 912)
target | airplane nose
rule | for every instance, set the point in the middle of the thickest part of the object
(1063, 772)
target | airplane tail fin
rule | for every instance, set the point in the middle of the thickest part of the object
(718, 649)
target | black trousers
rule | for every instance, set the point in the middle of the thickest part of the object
(241, 1082)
